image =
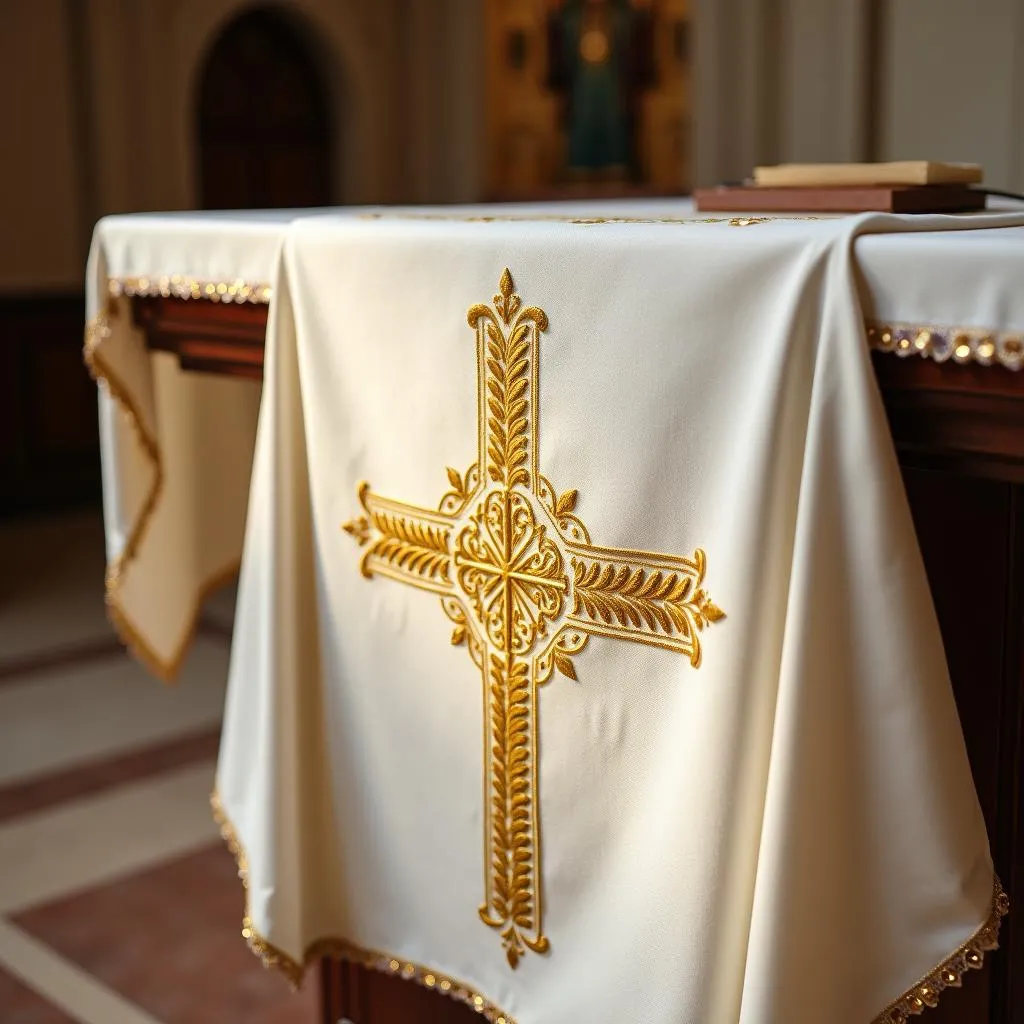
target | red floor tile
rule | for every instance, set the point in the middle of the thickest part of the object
(168, 940)
(20, 1004)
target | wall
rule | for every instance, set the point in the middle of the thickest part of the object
(41, 203)
(443, 100)
(145, 66)
(48, 435)
(823, 80)
(953, 72)
(101, 117)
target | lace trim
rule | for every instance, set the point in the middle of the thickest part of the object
(180, 286)
(941, 343)
(342, 949)
(950, 973)
(166, 669)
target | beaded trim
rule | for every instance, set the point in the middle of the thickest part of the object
(96, 330)
(941, 343)
(961, 344)
(342, 949)
(950, 973)
(178, 286)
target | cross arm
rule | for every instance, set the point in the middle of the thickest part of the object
(641, 596)
(407, 543)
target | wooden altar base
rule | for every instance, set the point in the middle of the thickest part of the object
(959, 432)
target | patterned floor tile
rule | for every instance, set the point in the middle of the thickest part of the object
(168, 940)
(20, 1004)
(82, 712)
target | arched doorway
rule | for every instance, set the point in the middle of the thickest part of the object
(264, 118)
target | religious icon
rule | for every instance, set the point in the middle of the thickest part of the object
(587, 96)
(600, 60)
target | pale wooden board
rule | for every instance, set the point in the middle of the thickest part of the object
(904, 172)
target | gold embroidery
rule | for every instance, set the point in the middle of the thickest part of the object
(406, 546)
(525, 588)
(659, 602)
(941, 343)
(554, 218)
(950, 973)
(341, 949)
(179, 286)
(510, 571)
(166, 669)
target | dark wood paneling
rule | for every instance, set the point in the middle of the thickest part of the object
(360, 996)
(959, 432)
(49, 432)
(10, 400)
(1008, 990)
(971, 582)
(961, 419)
(213, 337)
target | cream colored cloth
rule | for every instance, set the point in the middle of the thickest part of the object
(177, 446)
(764, 816)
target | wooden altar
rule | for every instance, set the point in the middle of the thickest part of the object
(959, 431)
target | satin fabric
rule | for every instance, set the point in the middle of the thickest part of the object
(177, 446)
(788, 832)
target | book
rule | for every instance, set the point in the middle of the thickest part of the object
(903, 172)
(838, 199)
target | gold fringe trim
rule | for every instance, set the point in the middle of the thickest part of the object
(922, 996)
(165, 669)
(950, 973)
(179, 286)
(942, 343)
(961, 344)
(342, 949)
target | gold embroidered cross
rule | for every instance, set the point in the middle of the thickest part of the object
(519, 577)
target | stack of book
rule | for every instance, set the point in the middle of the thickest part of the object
(908, 186)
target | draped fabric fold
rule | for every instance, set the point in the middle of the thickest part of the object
(176, 446)
(584, 651)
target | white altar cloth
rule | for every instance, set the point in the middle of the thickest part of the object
(177, 446)
(723, 775)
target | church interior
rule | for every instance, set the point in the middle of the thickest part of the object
(119, 901)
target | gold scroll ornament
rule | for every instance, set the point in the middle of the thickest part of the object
(518, 575)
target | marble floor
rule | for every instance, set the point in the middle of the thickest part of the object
(118, 902)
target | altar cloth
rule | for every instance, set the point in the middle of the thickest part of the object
(584, 660)
(177, 446)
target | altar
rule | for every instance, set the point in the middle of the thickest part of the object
(177, 339)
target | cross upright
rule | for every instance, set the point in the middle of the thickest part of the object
(519, 577)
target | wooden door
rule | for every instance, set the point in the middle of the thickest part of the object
(264, 118)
